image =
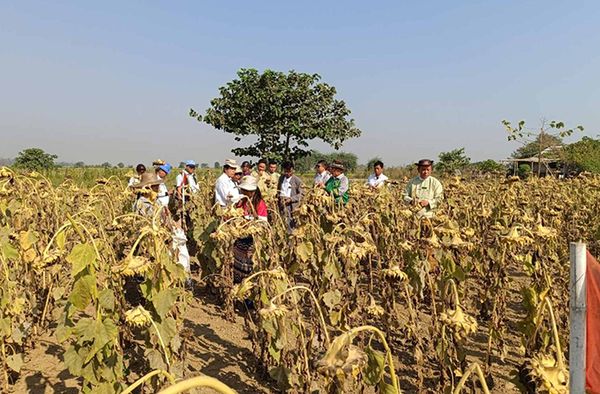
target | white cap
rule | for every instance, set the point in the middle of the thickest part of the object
(249, 183)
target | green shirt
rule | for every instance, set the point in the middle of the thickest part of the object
(429, 189)
(338, 188)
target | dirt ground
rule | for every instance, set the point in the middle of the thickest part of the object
(222, 349)
(218, 348)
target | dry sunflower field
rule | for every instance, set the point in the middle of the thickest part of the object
(362, 298)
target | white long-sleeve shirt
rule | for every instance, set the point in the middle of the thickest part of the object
(134, 180)
(226, 191)
(322, 177)
(377, 181)
(191, 181)
(163, 194)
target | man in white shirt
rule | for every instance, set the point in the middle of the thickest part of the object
(322, 175)
(377, 179)
(163, 192)
(187, 180)
(226, 191)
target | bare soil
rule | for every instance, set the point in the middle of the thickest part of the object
(222, 349)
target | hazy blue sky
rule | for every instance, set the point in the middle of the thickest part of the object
(113, 81)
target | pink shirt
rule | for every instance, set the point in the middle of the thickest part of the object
(261, 209)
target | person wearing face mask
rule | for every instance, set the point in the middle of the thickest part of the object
(424, 190)
(377, 179)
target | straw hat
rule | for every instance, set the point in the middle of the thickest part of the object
(336, 165)
(148, 179)
(249, 183)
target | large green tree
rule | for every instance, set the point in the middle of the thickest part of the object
(35, 159)
(489, 166)
(280, 113)
(452, 161)
(584, 155)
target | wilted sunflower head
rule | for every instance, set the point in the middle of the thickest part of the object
(138, 317)
(394, 274)
(133, 265)
(241, 290)
(272, 311)
(459, 323)
(5, 172)
(549, 376)
(373, 309)
(342, 358)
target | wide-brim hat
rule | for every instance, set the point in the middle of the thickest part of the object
(148, 179)
(191, 163)
(230, 163)
(249, 183)
(338, 166)
(424, 163)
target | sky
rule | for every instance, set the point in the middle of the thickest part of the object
(114, 81)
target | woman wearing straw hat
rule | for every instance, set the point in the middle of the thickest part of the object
(338, 185)
(147, 193)
(254, 208)
(147, 205)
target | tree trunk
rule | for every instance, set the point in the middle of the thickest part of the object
(287, 147)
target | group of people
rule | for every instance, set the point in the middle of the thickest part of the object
(153, 197)
(249, 190)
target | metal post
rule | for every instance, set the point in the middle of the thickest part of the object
(577, 349)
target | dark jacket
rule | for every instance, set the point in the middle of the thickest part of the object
(297, 191)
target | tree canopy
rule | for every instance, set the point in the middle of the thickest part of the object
(283, 112)
(488, 166)
(452, 161)
(547, 135)
(307, 163)
(584, 155)
(535, 141)
(532, 148)
(35, 159)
